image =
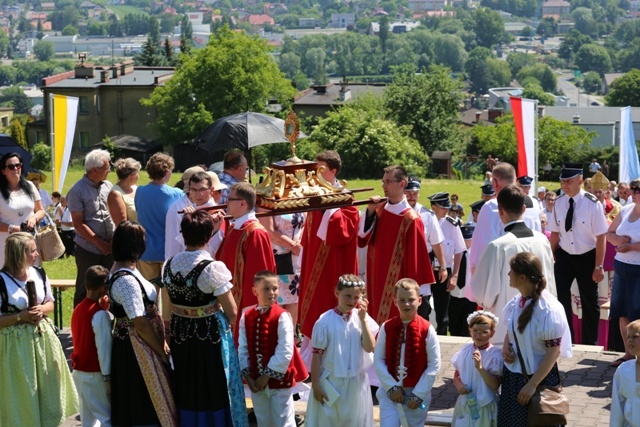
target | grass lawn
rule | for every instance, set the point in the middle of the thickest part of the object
(468, 192)
(123, 10)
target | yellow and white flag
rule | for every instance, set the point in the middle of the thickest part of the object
(65, 113)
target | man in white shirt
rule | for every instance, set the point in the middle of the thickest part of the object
(532, 214)
(540, 199)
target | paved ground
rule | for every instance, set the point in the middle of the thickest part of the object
(587, 383)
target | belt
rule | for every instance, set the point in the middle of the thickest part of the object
(195, 312)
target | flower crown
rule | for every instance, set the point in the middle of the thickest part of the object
(355, 284)
(489, 314)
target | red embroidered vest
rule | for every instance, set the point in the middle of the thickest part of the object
(415, 359)
(262, 339)
(85, 354)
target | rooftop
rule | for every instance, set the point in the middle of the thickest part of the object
(141, 76)
(590, 115)
(332, 96)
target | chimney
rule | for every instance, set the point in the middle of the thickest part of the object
(115, 71)
(104, 76)
(576, 118)
(83, 71)
(345, 92)
(540, 111)
(494, 113)
(320, 89)
(478, 116)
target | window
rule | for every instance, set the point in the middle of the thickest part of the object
(5, 121)
(83, 105)
(84, 139)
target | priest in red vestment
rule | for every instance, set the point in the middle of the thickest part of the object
(329, 250)
(244, 247)
(397, 248)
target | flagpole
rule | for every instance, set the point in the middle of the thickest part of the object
(536, 174)
(52, 142)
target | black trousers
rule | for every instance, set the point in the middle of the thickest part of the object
(459, 310)
(84, 260)
(440, 304)
(579, 267)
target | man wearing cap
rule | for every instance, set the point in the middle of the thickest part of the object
(532, 213)
(459, 306)
(432, 230)
(475, 210)
(490, 281)
(453, 246)
(540, 199)
(330, 249)
(235, 170)
(488, 192)
(396, 245)
(578, 228)
(216, 187)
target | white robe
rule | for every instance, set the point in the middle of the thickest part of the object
(625, 397)
(490, 282)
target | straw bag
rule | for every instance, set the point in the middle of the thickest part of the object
(48, 240)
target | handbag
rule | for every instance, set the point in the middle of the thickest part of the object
(48, 240)
(548, 406)
(284, 263)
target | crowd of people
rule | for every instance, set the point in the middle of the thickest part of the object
(182, 307)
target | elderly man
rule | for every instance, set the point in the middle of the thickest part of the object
(578, 228)
(540, 198)
(624, 192)
(87, 202)
(235, 170)
(396, 245)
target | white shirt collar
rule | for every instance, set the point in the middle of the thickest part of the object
(397, 208)
(239, 222)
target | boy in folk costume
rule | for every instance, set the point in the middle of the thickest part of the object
(270, 362)
(407, 360)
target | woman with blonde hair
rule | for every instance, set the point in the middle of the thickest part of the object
(37, 384)
(121, 198)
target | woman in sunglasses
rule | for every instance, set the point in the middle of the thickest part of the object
(20, 205)
(624, 233)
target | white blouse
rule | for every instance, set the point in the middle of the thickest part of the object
(492, 362)
(548, 322)
(625, 397)
(631, 229)
(126, 292)
(17, 290)
(215, 278)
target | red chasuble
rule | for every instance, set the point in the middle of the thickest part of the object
(323, 262)
(245, 252)
(397, 249)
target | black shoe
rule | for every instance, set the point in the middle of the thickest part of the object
(299, 420)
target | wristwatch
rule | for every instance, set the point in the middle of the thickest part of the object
(599, 267)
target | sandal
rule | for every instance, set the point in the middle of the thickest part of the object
(619, 362)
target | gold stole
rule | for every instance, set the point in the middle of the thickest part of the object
(238, 269)
(395, 266)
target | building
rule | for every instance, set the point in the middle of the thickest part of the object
(343, 20)
(499, 97)
(397, 27)
(609, 78)
(260, 20)
(556, 7)
(425, 5)
(109, 101)
(318, 100)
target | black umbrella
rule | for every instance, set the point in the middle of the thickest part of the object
(243, 131)
(9, 145)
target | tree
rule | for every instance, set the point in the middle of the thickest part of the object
(289, 64)
(585, 23)
(518, 60)
(69, 30)
(368, 143)
(571, 43)
(547, 27)
(233, 73)
(17, 131)
(44, 50)
(542, 73)
(488, 26)
(625, 90)
(592, 82)
(40, 34)
(428, 103)
(315, 65)
(593, 57)
(449, 51)
(478, 70)
(527, 32)
(535, 91)
(167, 50)
(115, 27)
(14, 96)
(7, 75)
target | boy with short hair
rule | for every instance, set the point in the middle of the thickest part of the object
(625, 408)
(273, 365)
(407, 360)
(91, 357)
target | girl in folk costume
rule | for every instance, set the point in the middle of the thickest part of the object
(407, 360)
(342, 341)
(478, 367)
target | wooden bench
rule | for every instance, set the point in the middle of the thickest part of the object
(58, 286)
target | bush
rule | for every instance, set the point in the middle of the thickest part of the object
(41, 159)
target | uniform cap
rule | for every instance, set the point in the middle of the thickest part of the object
(569, 170)
(413, 184)
(488, 190)
(525, 180)
(476, 206)
(441, 199)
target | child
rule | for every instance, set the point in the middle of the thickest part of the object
(273, 365)
(91, 357)
(625, 406)
(407, 360)
(478, 367)
(342, 340)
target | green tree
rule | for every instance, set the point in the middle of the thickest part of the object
(547, 27)
(488, 26)
(518, 60)
(7, 75)
(542, 73)
(592, 82)
(167, 51)
(500, 72)
(535, 91)
(593, 57)
(17, 131)
(625, 90)
(478, 70)
(289, 64)
(571, 43)
(69, 30)
(527, 32)
(41, 156)
(44, 50)
(449, 51)
(14, 96)
(585, 23)
(233, 73)
(428, 103)
(115, 27)
(315, 65)
(40, 34)
(368, 143)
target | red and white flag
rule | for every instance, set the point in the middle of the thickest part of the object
(524, 119)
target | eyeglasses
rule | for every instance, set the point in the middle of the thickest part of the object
(388, 181)
(233, 199)
(14, 166)
(199, 190)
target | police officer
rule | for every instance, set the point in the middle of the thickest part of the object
(578, 228)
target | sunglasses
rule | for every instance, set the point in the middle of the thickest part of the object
(14, 166)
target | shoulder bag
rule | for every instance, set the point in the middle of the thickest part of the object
(48, 240)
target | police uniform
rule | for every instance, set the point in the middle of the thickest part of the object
(576, 253)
